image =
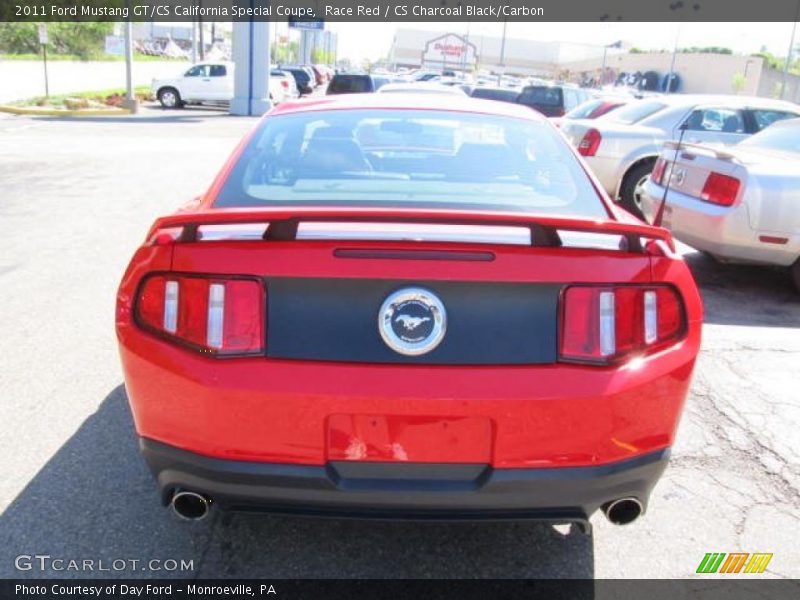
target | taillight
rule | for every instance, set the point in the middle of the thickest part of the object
(658, 171)
(285, 83)
(216, 315)
(720, 189)
(613, 323)
(590, 142)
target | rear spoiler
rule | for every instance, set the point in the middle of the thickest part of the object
(284, 221)
(720, 154)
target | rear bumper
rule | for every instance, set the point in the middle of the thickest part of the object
(722, 231)
(404, 490)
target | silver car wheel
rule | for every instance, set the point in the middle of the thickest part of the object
(638, 191)
(168, 99)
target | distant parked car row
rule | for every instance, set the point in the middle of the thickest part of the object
(550, 100)
(212, 83)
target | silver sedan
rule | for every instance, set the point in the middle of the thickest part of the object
(739, 204)
(622, 146)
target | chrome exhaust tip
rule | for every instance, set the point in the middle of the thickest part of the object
(623, 511)
(190, 506)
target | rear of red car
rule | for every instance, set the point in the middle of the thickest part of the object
(398, 361)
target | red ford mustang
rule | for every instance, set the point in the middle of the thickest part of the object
(398, 307)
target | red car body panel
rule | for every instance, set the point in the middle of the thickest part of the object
(558, 414)
(264, 409)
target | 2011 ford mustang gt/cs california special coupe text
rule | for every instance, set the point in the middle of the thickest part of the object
(401, 306)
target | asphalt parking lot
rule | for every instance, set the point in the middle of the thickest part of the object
(76, 199)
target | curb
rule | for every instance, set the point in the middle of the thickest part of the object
(53, 112)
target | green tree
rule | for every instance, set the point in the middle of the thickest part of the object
(320, 56)
(84, 40)
(285, 53)
(18, 38)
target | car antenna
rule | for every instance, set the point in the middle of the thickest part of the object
(660, 213)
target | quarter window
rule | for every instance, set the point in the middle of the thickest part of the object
(765, 118)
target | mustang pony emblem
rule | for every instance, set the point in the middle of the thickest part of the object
(411, 323)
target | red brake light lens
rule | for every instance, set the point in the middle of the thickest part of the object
(216, 315)
(590, 143)
(150, 303)
(720, 189)
(612, 323)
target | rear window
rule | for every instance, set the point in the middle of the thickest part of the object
(300, 75)
(349, 84)
(765, 118)
(635, 112)
(585, 110)
(542, 95)
(495, 94)
(410, 158)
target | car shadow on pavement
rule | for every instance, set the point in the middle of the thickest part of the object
(95, 499)
(750, 295)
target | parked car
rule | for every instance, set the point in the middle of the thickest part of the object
(425, 75)
(355, 83)
(282, 86)
(326, 71)
(460, 83)
(304, 82)
(203, 83)
(597, 107)
(552, 100)
(398, 306)
(422, 87)
(739, 204)
(622, 146)
(206, 83)
(312, 75)
(319, 75)
(496, 93)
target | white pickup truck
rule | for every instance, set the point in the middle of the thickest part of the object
(208, 83)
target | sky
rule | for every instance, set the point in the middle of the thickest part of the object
(359, 41)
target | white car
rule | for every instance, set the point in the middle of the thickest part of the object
(622, 146)
(282, 86)
(740, 203)
(421, 88)
(208, 83)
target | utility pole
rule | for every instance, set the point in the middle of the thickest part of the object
(130, 100)
(201, 36)
(791, 50)
(502, 55)
(194, 42)
(603, 68)
(672, 63)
